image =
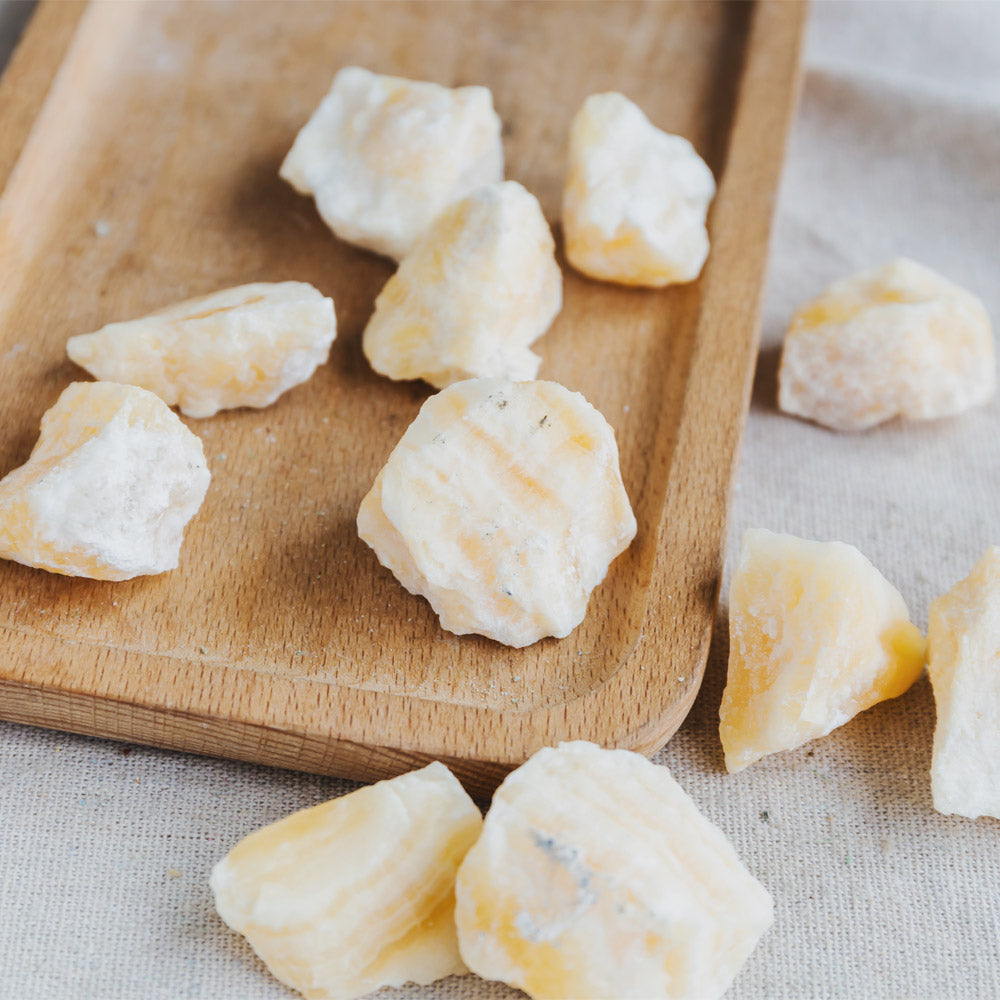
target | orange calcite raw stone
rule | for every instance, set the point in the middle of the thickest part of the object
(596, 877)
(472, 295)
(384, 156)
(358, 892)
(816, 635)
(109, 488)
(963, 661)
(896, 341)
(503, 505)
(635, 199)
(241, 346)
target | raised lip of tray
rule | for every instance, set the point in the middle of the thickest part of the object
(298, 732)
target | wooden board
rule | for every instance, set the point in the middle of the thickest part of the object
(139, 149)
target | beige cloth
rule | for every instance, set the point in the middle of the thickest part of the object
(105, 849)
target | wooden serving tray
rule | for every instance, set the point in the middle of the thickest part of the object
(139, 151)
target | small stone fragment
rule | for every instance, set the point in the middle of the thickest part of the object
(635, 199)
(473, 294)
(242, 346)
(963, 661)
(356, 893)
(109, 488)
(503, 505)
(595, 876)
(896, 341)
(816, 635)
(385, 156)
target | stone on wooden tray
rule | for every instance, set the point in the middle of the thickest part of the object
(108, 489)
(383, 156)
(595, 876)
(635, 199)
(816, 635)
(899, 340)
(241, 346)
(963, 661)
(358, 892)
(503, 505)
(473, 294)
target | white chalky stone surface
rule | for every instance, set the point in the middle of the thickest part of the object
(479, 288)
(898, 340)
(241, 346)
(106, 848)
(595, 876)
(384, 156)
(108, 489)
(964, 667)
(635, 199)
(503, 505)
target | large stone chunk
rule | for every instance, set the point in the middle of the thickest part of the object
(241, 346)
(474, 293)
(816, 635)
(896, 341)
(503, 505)
(963, 661)
(358, 892)
(384, 156)
(109, 488)
(596, 877)
(635, 199)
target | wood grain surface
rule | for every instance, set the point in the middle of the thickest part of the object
(139, 150)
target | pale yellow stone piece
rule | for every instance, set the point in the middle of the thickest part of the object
(596, 878)
(473, 294)
(358, 892)
(241, 346)
(816, 635)
(503, 505)
(635, 199)
(963, 661)
(384, 156)
(896, 341)
(108, 489)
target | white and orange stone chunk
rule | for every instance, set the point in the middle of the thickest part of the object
(503, 505)
(384, 156)
(816, 635)
(596, 877)
(897, 341)
(358, 892)
(635, 199)
(108, 489)
(475, 292)
(241, 346)
(963, 661)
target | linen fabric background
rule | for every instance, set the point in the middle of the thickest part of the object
(105, 849)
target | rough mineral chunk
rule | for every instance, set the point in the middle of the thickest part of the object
(477, 289)
(897, 341)
(384, 156)
(636, 198)
(963, 660)
(596, 877)
(503, 505)
(109, 488)
(816, 635)
(358, 892)
(241, 346)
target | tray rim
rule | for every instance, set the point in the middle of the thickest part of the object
(771, 65)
